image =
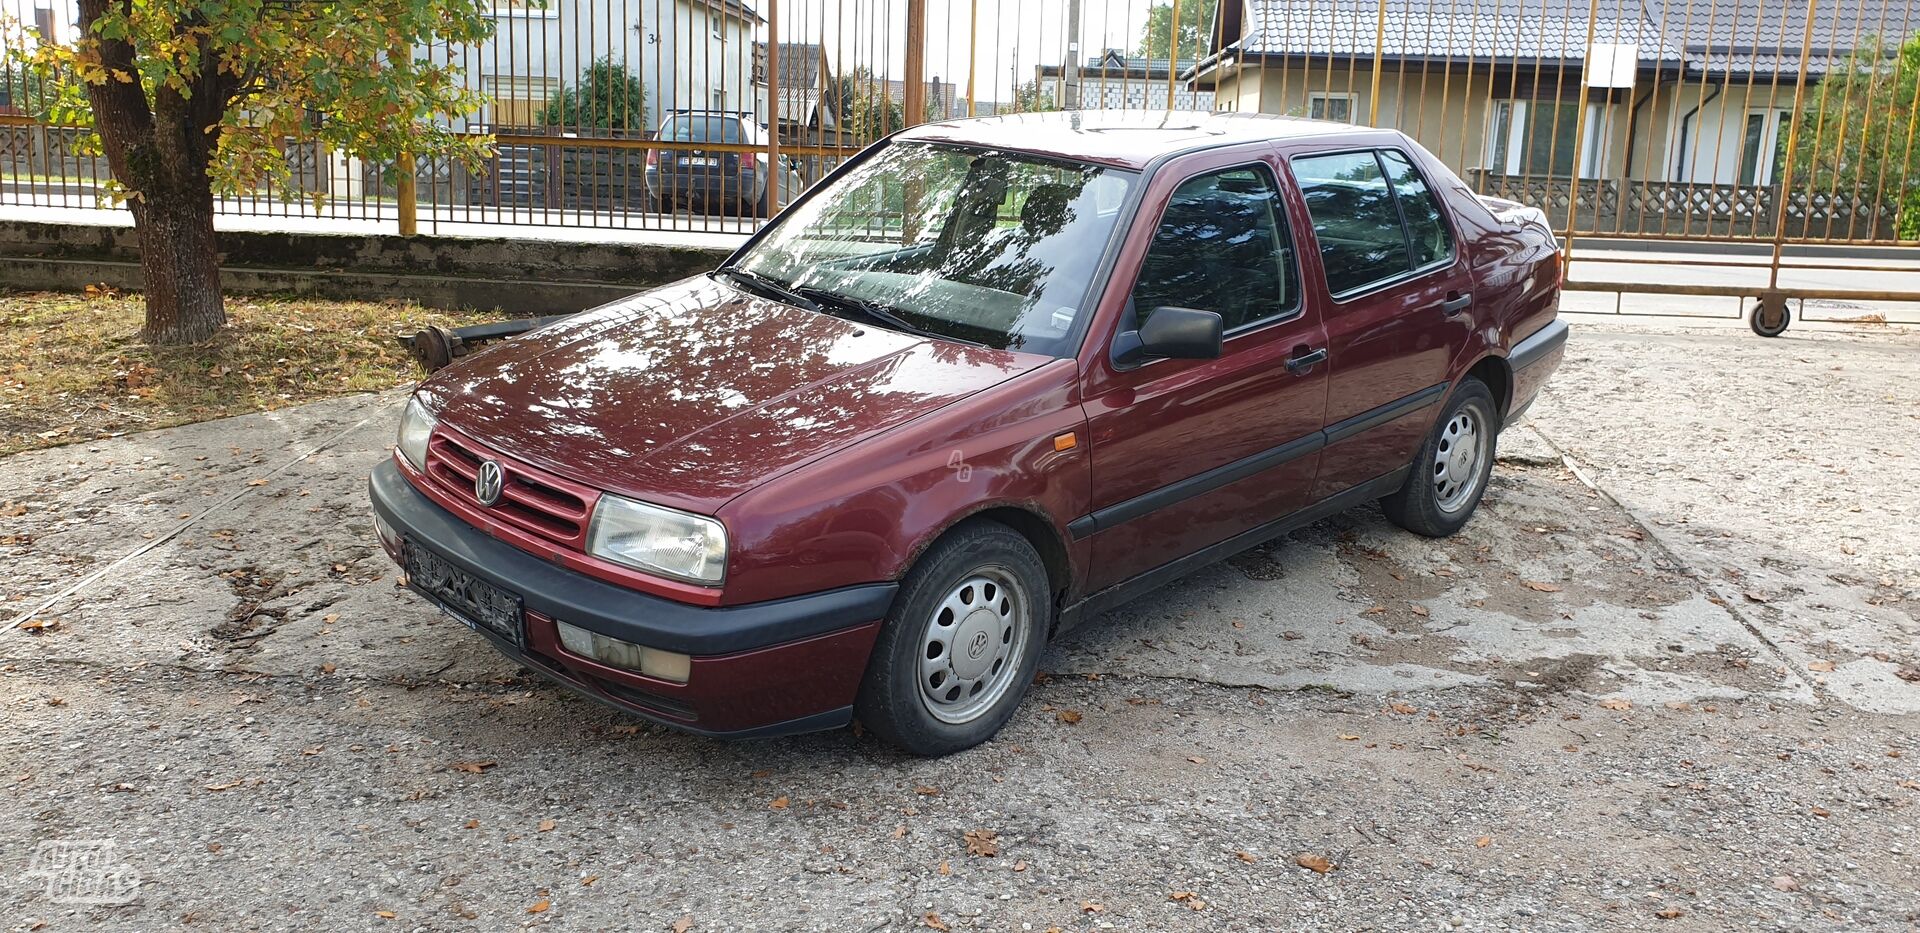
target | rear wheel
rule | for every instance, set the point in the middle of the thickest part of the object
(958, 650)
(1451, 470)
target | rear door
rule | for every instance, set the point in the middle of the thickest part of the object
(1397, 298)
(1188, 453)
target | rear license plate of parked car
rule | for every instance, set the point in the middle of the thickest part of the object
(699, 162)
(474, 601)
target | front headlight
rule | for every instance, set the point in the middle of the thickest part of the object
(658, 540)
(416, 425)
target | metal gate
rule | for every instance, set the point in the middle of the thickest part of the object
(1750, 149)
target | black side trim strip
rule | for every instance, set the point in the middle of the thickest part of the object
(1375, 417)
(1538, 344)
(1195, 485)
(1166, 573)
(1130, 509)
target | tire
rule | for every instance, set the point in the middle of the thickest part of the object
(1769, 322)
(1445, 487)
(932, 707)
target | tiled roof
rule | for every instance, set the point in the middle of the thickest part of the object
(1460, 30)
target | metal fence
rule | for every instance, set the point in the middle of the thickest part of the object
(1767, 122)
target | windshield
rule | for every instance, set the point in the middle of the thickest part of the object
(984, 246)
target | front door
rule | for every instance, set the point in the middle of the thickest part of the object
(1188, 453)
(1398, 301)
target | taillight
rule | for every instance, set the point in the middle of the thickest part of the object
(653, 158)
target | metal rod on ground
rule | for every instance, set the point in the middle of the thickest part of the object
(436, 347)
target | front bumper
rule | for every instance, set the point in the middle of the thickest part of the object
(770, 668)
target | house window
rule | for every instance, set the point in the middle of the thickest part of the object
(1327, 106)
(1763, 146)
(1537, 137)
(518, 99)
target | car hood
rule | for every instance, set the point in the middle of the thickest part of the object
(690, 394)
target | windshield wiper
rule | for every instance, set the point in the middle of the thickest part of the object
(770, 287)
(875, 311)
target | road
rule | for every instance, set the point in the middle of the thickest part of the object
(1664, 680)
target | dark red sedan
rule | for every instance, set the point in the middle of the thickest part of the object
(986, 380)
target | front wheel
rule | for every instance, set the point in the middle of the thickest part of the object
(1451, 470)
(959, 648)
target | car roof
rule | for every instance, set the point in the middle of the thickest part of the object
(1125, 138)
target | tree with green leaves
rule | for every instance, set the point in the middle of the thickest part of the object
(1857, 130)
(608, 97)
(1156, 40)
(1029, 98)
(190, 98)
(863, 107)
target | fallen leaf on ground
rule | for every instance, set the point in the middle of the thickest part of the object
(1197, 759)
(1541, 587)
(588, 881)
(1421, 611)
(780, 803)
(227, 786)
(1092, 907)
(1785, 883)
(925, 791)
(1483, 842)
(1821, 811)
(546, 826)
(473, 824)
(384, 914)
(982, 842)
(1402, 707)
(539, 907)
(1246, 856)
(683, 924)
(1670, 913)
(472, 767)
(1313, 863)
(1616, 703)
(933, 921)
(1069, 716)
(1189, 899)
(1344, 737)
(1824, 667)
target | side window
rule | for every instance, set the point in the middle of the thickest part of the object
(1221, 246)
(1426, 228)
(1361, 240)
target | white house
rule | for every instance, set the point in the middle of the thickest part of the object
(688, 54)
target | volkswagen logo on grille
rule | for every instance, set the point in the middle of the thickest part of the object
(488, 482)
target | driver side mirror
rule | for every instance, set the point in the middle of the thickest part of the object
(1170, 333)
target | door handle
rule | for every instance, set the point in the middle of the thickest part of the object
(1301, 363)
(1456, 302)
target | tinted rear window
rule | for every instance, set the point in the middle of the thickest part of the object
(701, 129)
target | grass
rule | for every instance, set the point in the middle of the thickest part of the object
(73, 369)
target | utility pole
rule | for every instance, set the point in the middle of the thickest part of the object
(1070, 71)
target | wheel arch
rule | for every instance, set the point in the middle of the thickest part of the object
(1497, 373)
(1025, 521)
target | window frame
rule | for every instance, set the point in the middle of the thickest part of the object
(1325, 97)
(1295, 308)
(1773, 120)
(1406, 235)
(1591, 152)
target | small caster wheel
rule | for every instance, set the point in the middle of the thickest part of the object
(1770, 316)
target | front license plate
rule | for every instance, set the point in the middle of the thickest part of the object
(466, 597)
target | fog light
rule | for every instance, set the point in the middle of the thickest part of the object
(664, 665)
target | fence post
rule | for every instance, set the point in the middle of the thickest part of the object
(774, 88)
(914, 97)
(403, 182)
(1579, 136)
(1379, 51)
(1793, 150)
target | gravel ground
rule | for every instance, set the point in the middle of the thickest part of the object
(1657, 683)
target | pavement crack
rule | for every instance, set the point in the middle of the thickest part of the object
(1704, 581)
(252, 487)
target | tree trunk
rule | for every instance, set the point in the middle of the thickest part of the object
(179, 260)
(159, 149)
